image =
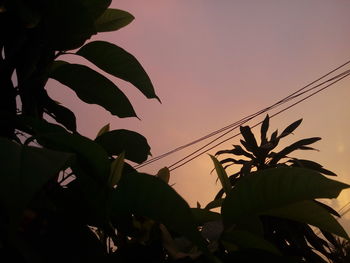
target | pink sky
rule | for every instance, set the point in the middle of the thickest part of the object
(214, 62)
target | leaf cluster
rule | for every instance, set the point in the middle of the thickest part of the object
(263, 187)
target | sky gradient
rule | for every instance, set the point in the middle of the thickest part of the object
(214, 62)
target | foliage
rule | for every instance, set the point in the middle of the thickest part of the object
(274, 194)
(66, 197)
(73, 198)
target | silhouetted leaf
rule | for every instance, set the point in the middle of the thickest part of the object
(91, 155)
(315, 241)
(96, 8)
(249, 138)
(328, 208)
(274, 136)
(237, 150)
(92, 87)
(290, 128)
(72, 31)
(247, 146)
(36, 126)
(311, 213)
(311, 165)
(294, 146)
(113, 19)
(244, 239)
(214, 204)
(134, 144)
(164, 174)
(263, 130)
(24, 171)
(145, 195)
(266, 190)
(246, 168)
(61, 114)
(225, 182)
(118, 62)
(234, 161)
(202, 216)
(308, 148)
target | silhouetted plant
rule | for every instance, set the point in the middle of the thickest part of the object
(289, 236)
(68, 198)
(340, 250)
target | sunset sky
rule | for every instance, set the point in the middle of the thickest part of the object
(214, 62)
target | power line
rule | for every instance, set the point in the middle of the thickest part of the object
(236, 124)
(175, 166)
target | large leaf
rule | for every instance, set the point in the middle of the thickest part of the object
(149, 196)
(113, 19)
(202, 216)
(92, 87)
(132, 143)
(96, 8)
(118, 62)
(225, 182)
(61, 114)
(68, 24)
(92, 157)
(311, 165)
(274, 188)
(310, 213)
(244, 239)
(24, 171)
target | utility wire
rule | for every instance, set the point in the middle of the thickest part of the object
(178, 164)
(236, 124)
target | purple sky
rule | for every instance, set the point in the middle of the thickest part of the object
(214, 62)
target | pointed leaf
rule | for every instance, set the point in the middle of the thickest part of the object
(308, 148)
(263, 130)
(92, 87)
(103, 130)
(295, 146)
(72, 31)
(328, 208)
(118, 62)
(61, 114)
(214, 204)
(134, 144)
(274, 188)
(92, 157)
(146, 195)
(225, 182)
(164, 174)
(249, 137)
(311, 165)
(96, 8)
(233, 161)
(290, 128)
(309, 212)
(113, 19)
(274, 136)
(116, 170)
(202, 216)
